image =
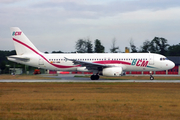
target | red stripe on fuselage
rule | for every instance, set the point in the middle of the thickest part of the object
(62, 66)
(55, 65)
(113, 62)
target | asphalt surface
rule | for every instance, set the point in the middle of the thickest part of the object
(71, 78)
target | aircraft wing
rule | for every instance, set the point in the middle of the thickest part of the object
(89, 65)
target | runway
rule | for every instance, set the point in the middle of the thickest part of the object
(71, 78)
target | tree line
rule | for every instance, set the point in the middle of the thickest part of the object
(156, 45)
(86, 46)
(4, 63)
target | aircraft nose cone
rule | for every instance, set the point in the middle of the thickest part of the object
(171, 65)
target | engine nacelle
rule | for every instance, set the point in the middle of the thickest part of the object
(113, 71)
(82, 69)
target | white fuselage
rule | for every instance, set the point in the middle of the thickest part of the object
(128, 61)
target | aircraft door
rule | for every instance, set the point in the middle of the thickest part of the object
(41, 61)
(151, 60)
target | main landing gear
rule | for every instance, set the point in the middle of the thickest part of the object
(95, 77)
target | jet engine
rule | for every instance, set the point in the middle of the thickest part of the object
(82, 69)
(113, 71)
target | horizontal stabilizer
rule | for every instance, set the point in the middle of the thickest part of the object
(18, 58)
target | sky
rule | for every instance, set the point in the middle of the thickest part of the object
(54, 25)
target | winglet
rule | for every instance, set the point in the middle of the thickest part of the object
(66, 59)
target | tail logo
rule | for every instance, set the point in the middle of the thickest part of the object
(16, 33)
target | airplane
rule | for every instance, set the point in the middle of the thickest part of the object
(105, 64)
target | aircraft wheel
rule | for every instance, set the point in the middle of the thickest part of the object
(94, 77)
(151, 78)
(97, 77)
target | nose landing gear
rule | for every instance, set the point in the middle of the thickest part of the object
(151, 77)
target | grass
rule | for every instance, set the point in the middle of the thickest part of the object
(23, 77)
(84, 101)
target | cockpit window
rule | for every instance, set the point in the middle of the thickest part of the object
(163, 59)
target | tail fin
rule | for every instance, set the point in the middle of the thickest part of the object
(22, 44)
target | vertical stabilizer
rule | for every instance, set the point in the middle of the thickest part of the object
(22, 44)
